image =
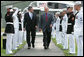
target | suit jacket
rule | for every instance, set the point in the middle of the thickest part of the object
(30, 23)
(45, 25)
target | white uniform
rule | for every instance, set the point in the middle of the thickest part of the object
(64, 29)
(78, 31)
(20, 30)
(22, 27)
(9, 43)
(57, 31)
(24, 32)
(9, 32)
(16, 27)
(53, 30)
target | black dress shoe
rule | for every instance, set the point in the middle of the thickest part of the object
(33, 45)
(48, 47)
(45, 47)
(29, 47)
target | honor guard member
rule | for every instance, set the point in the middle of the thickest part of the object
(70, 29)
(64, 29)
(53, 33)
(19, 15)
(24, 32)
(16, 27)
(60, 27)
(9, 30)
(78, 28)
(57, 26)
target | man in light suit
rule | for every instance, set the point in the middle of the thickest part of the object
(45, 25)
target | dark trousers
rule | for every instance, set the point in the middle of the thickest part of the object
(33, 33)
(46, 38)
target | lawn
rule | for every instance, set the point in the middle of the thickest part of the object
(2, 29)
(3, 51)
(66, 52)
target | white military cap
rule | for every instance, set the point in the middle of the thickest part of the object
(78, 3)
(9, 6)
(11, 10)
(15, 8)
(69, 6)
(57, 13)
(64, 9)
(61, 11)
(19, 9)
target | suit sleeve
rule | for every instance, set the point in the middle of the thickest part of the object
(24, 22)
(36, 21)
(40, 22)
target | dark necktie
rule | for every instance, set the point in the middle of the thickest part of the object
(46, 17)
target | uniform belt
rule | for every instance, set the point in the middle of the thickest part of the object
(19, 22)
(9, 23)
(60, 24)
(69, 24)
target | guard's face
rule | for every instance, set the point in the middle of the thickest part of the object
(78, 7)
(64, 12)
(8, 10)
(14, 10)
(75, 6)
(70, 9)
(56, 15)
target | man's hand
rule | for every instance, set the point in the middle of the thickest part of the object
(50, 25)
(72, 18)
(40, 30)
(36, 27)
(24, 29)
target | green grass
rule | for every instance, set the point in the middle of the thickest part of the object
(66, 52)
(2, 29)
(3, 51)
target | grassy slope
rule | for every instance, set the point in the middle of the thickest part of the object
(3, 51)
(66, 52)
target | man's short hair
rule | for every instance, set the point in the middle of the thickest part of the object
(29, 8)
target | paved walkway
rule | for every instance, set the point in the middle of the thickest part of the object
(39, 49)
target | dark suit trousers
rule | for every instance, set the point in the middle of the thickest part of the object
(46, 38)
(33, 33)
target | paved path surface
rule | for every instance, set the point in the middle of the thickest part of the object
(39, 49)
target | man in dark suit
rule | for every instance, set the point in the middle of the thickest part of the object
(46, 26)
(30, 24)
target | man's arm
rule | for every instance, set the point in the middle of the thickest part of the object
(24, 22)
(36, 22)
(52, 20)
(15, 13)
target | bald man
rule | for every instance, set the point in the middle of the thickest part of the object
(45, 25)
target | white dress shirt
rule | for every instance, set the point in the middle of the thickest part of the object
(30, 14)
